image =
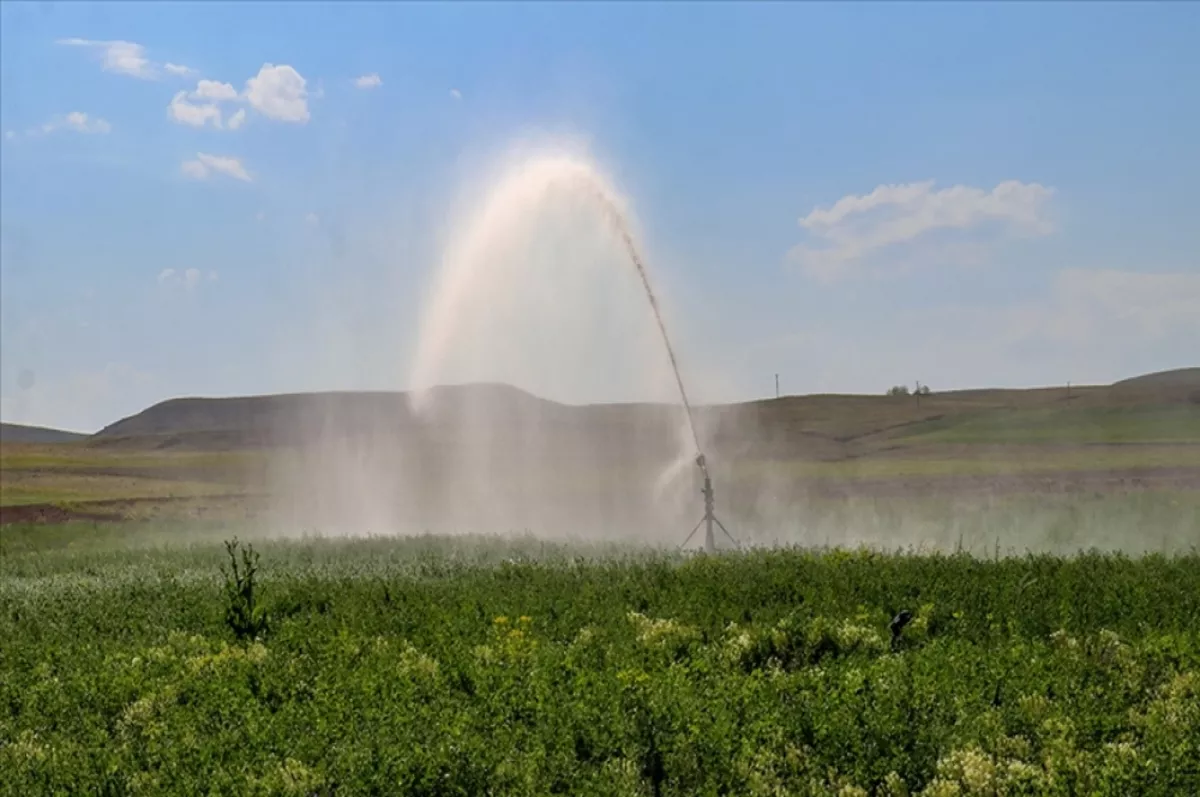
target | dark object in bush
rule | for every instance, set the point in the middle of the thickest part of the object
(897, 625)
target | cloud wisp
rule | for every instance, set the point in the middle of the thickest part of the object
(371, 81)
(74, 122)
(858, 228)
(187, 278)
(205, 165)
(127, 58)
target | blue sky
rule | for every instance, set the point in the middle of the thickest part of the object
(851, 195)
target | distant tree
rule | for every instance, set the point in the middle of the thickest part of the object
(898, 390)
(924, 390)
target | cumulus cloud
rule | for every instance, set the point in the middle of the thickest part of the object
(857, 227)
(368, 81)
(278, 92)
(205, 165)
(200, 106)
(185, 112)
(214, 90)
(126, 58)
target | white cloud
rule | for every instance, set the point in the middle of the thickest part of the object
(121, 57)
(185, 109)
(368, 81)
(188, 113)
(204, 165)
(278, 92)
(179, 70)
(214, 90)
(857, 227)
(80, 121)
(77, 121)
(455, 94)
(166, 275)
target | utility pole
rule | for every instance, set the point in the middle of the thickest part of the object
(776, 385)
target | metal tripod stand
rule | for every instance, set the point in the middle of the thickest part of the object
(710, 518)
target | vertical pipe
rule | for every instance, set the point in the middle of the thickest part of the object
(710, 543)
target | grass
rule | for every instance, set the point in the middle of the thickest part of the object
(1176, 423)
(19, 489)
(76, 475)
(931, 462)
(515, 666)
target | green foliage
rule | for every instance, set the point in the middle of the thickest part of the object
(899, 390)
(427, 666)
(244, 616)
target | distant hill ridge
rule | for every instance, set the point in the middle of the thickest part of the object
(1179, 377)
(841, 420)
(20, 433)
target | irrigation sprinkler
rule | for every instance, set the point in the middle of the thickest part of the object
(710, 518)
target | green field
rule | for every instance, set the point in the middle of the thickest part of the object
(1092, 425)
(1048, 550)
(512, 666)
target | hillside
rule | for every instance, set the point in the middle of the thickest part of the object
(20, 433)
(497, 456)
(1178, 378)
(1158, 408)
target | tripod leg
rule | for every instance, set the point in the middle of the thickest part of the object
(721, 526)
(693, 534)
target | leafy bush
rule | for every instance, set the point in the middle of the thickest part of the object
(760, 673)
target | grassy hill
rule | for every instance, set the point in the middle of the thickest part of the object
(1188, 378)
(1143, 432)
(20, 433)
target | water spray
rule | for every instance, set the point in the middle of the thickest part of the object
(529, 186)
(710, 518)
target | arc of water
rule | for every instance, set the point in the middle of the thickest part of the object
(622, 229)
(582, 176)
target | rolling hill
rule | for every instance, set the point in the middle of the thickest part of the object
(524, 461)
(1162, 407)
(20, 433)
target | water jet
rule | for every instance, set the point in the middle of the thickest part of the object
(470, 277)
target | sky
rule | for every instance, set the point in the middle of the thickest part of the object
(215, 199)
